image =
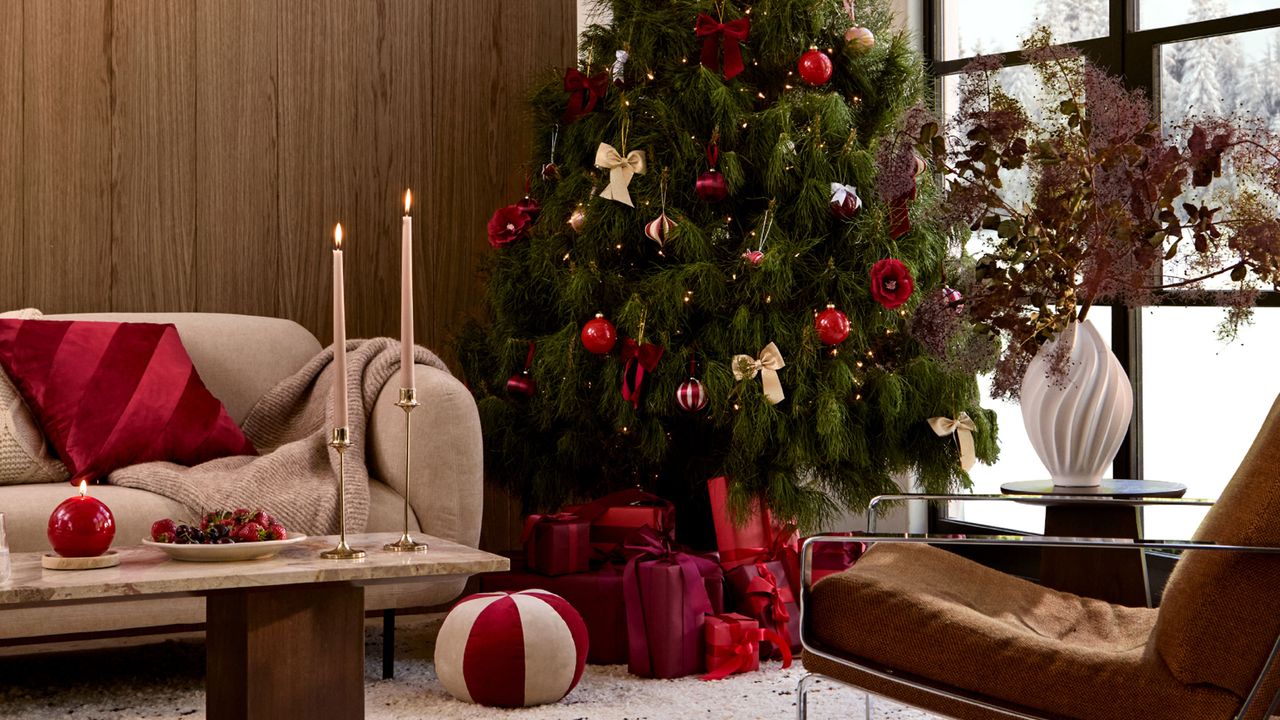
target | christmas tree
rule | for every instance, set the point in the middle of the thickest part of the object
(725, 246)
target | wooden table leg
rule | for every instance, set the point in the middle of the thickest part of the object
(289, 651)
(1117, 576)
(388, 644)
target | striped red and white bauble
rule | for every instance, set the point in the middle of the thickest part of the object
(692, 395)
(657, 229)
(511, 649)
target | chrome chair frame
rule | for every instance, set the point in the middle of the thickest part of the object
(809, 645)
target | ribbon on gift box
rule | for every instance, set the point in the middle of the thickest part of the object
(782, 548)
(769, 600)
(760, 538)
(608, 537)
(742, 652)
(646, 545)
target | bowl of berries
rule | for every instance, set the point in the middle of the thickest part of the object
(223, 536)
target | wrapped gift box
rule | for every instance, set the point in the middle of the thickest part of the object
(763, 592)
(617, 515)
(761, 537)
(733, 645)
(557, 544)
(831, 558)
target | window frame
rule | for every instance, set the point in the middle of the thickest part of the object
(1134, 54)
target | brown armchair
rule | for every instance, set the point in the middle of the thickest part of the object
(925, 627)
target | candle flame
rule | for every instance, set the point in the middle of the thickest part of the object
(408, 201)
(337, 236)
(84, 488)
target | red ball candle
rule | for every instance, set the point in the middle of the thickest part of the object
(82, 526)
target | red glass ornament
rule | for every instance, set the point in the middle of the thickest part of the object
(755, 257)
(82, 526)
(521, 384)
(599, 335)
(530, 207)
(832, 326)
(814, 67)
(711, 187)
(692, 395)
(550, 172)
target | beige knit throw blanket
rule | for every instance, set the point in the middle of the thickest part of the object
(295, 476)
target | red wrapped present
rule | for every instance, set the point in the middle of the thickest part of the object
(557, 544)
(597, 596)
(760, 538)
(762, 591)
(733, 645)
(829, 558)
(615, 516)
(665, 591)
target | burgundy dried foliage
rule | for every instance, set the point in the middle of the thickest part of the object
(1114, 203)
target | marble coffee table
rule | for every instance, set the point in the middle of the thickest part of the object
(285, 636)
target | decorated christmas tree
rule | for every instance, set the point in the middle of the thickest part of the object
(726, 244)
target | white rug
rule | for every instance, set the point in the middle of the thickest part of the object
(166, 681)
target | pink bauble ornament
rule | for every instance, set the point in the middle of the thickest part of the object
(832, 326)
(814, 67)
(755, 257)
(953, 299)
(860, 37)
(511, 649)
(692, 395)
(657, 229)
(521, 385)
(599, 335)
(711, 187)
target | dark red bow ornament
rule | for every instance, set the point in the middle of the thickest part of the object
(731, 35)
(637, 359)
(584, 93)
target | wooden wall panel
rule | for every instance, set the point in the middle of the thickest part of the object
(13, 285)
(237, 188)
(67, 155)
(153, 155)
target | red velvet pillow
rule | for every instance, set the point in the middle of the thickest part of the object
(110, 395)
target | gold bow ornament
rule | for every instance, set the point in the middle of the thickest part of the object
(620, 168)
(963, 428)
(766, 366)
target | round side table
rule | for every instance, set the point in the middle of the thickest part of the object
(1117, 576)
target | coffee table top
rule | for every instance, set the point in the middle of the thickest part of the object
(1108, 488)
(145, 571)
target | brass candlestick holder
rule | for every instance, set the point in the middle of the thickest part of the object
(408, 401)
(340, 441)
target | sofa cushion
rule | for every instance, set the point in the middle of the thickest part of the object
(933, 614)
(24, 452)
(109, 395)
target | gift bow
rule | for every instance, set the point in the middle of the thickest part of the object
(963, 428)
(732, 34)
(840, 191)
(764, 588)
(584, 92)
(744, 647)
(637, 359)
(767, 367)
(620, 168)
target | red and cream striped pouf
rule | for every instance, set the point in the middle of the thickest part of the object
(511, 649)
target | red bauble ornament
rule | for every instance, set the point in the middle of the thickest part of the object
(521, 384)
(530, 207)
(599, 335)
(832, 326)
(711, 187)
(844, 203)
(550, 172)
(81, 526)
(692, 395)
(814, 67)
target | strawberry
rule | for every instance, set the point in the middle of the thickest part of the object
(249, 532)
(263, 518)
(165, 531)
(277, 532)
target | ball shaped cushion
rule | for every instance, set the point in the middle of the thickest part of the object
(511, 649)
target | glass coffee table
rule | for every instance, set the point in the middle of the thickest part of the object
(284, 636)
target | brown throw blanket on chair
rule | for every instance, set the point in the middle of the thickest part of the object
(296, 475)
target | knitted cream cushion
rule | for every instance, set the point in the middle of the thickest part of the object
(24, 453)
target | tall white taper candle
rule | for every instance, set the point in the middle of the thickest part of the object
(406, 296)
(339, 334)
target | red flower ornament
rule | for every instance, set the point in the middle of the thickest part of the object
(507, 225)
(891, 283)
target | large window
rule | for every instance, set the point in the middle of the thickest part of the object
(1198, 401)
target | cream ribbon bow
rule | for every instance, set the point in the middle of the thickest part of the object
(963, 428)
(620, 171)
(767, 367)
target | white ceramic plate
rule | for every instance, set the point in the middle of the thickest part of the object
(229, 552)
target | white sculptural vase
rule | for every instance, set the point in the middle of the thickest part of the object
(1076, 422)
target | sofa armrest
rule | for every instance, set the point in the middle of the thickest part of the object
(447, 489)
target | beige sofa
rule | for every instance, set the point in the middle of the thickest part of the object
(240, 358)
